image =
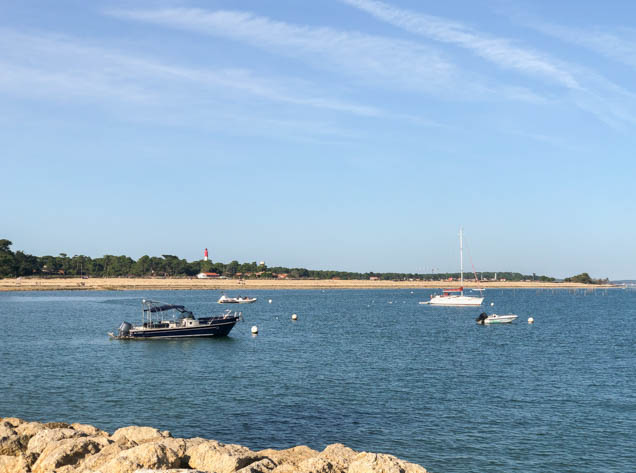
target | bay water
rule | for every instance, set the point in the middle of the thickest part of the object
(372, 369)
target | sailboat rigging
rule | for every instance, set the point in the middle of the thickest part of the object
(456, 297)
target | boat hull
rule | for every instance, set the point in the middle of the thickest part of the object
(469, 301)
(214, 329)
(495, 319)
(501, 319)
(234, 300)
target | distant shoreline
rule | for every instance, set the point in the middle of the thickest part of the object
(129, 284)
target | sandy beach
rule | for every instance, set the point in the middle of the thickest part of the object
(123, 284)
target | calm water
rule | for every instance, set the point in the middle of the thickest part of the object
(371, 369)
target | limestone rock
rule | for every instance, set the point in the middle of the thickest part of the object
(13, 464)
(66, 469)
(382, 463)
(10, 441)
(94, 462)
(110, 452)
(179, 470)
(124, 442)
(14, 421)
(57, 425)
(26, 430)
(89, 430)
(338, 455)
(290, 456)
(310, 465)
(58, 447)
(317, 465)
(179, 446)
(220, 458)
(139, 434)
(194, 441)
(67, 452)
(46, 437)
(148, 455)
(264, 465)
(286, 468)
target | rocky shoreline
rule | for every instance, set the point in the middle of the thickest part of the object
(35, 447)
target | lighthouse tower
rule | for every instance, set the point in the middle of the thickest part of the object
(205, 255)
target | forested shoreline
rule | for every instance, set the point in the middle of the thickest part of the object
(20, 264)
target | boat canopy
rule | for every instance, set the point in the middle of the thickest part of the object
(162, 308)
(150, 307)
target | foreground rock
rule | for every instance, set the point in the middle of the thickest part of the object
(57, 447)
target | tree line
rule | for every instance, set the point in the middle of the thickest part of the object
(20, 264)
(585, 278)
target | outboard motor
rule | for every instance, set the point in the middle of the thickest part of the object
(482, 318)
(124, 329)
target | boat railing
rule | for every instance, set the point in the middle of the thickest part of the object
(226, 315)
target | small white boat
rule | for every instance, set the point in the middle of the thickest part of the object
(245, 300)
(236, 300)
(485, 319)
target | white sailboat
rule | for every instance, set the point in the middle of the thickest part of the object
(456, 297)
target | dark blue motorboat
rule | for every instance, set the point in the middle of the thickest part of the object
(175, 321)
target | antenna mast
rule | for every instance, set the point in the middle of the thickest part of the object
(461, 256)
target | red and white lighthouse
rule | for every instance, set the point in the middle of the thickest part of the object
(205, 255)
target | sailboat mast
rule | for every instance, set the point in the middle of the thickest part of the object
(461, 256)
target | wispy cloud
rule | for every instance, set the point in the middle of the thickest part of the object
(370, 59)
(59, 67)
(619, 45)
(66, 65)
(585, 89)
(501, 52)
(553, 141)
(55, 67)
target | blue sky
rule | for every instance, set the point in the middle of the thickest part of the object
(341, 134)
